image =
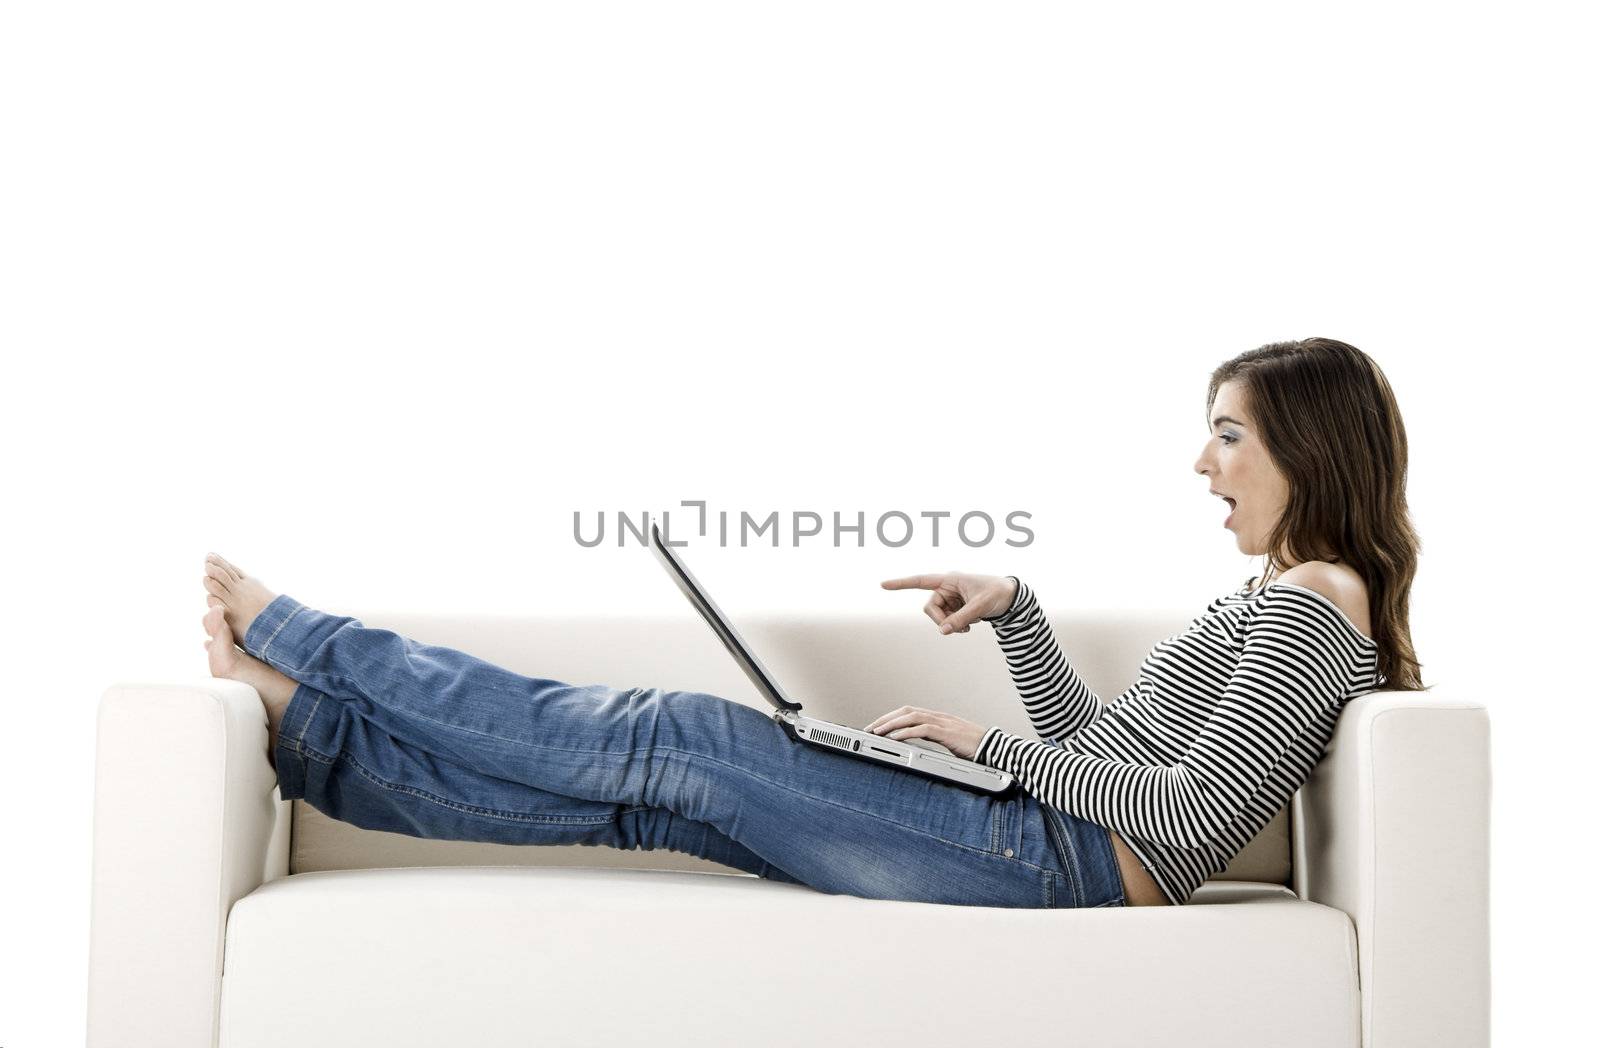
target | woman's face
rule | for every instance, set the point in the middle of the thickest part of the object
(1238, 466)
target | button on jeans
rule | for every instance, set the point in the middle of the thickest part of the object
(387, 733)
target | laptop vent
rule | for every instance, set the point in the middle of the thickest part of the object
(830, 738)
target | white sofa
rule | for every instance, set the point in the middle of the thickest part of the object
(223, 915)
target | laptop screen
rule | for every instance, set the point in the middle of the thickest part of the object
(719, 623)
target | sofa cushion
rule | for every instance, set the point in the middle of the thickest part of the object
(509, 956)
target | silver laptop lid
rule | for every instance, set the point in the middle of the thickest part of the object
(718, 622)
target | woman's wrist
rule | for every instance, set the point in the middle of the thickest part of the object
(1011, 605)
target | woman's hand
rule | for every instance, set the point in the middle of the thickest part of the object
(960, 599)
(959, 736)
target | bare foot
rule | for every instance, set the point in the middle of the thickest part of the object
(228, 661)
(241, 596)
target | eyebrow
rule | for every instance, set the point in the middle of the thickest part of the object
(1220, 419)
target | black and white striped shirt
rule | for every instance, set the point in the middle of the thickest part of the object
(1225, 721)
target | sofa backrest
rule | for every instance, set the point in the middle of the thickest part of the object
(847, 668)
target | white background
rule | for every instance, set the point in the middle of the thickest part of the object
(372, 298)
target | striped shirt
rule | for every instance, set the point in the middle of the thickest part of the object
(1225, 721)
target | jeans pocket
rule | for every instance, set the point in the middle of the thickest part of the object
(1005, 827)
(1071, 882)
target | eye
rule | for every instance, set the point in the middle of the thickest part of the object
(1228, 438)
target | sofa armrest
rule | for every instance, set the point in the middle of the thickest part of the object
(1393, 829)
(187, 819)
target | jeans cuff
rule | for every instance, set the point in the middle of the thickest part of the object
(264, 630)
(310, 729)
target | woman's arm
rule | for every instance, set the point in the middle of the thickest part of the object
(1058, 702)
(1295, 670)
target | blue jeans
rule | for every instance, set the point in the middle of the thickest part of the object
(386, 733)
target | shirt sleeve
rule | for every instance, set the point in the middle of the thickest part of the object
(1298, 662)
(1058, 702)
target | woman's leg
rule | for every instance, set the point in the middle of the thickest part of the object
(838, 823)
(350, 769)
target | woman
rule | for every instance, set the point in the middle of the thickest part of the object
(1135, 802)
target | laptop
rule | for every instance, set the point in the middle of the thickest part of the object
(921, 756)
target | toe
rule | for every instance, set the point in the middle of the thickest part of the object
(213, 587)
(220, 573)
(225, 565)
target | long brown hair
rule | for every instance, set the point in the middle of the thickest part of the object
(1329, 420)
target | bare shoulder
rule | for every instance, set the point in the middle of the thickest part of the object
(1340, 583)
